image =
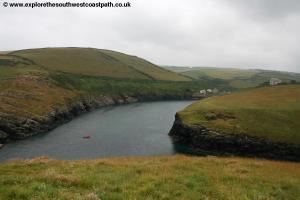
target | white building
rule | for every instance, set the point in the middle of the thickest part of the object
(203, 92)
(275, 81)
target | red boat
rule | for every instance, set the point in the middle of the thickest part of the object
(87, 137)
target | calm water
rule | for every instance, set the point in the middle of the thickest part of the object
(139, 129)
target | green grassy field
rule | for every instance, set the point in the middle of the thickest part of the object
(269, 112)
(145, 67)
(169, 178)
(96, 62)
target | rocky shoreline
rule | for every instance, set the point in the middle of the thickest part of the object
(14, 128)
(210, 142)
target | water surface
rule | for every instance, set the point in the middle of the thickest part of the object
(139, 129)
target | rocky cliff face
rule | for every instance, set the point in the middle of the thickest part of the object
(14, 128)
(207, 141)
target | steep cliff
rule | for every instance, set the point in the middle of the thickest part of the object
(211, 142)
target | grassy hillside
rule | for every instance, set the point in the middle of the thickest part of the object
(32, 82)
(145, 67)
(220, 73)
(177, 177)
(31, 96)
(12, 66)
(95, 62)
(30, 92)
(128, 86)
(236, 78)
(40, 88)
(270, 112)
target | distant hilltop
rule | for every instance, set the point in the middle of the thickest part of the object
(90, 61)
(238, 78)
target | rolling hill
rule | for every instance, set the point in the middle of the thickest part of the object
(236, 78)
(42, 88)
(96, 62)
(38, 83)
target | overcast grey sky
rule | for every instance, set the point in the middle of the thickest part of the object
(222, 33)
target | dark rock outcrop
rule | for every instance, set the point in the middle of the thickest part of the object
(207, 141)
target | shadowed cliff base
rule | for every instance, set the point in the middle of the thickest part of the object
(202, 141)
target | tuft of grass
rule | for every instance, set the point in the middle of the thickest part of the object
(176, 177)
(270, 112)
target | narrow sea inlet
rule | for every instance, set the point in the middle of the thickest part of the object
(139, 129)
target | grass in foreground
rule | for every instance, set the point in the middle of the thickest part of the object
(271, 112)
(177, 177)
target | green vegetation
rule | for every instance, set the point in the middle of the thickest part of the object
(12, 66)
(177, 177)
(219, 73)
(236, 78)
(146, 67)
(31, 96)
(33, 82)
(95, 62)
(269, 112)
(36, 81)
(112, 86)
